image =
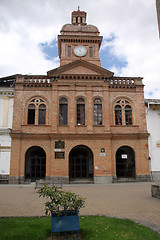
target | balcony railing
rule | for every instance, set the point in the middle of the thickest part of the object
(124, 81)
(37, 80)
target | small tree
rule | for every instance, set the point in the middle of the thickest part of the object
(60, 200)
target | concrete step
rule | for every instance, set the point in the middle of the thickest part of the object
(81, 181)
(123, 180)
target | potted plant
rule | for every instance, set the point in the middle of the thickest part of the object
(63, 207)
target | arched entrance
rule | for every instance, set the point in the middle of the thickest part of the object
(35, 163)
(81, 163)
(125, 162)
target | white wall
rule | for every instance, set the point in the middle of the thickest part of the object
(153, 126)
(5, 151)
(6, 115)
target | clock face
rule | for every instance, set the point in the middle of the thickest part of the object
(80, 51)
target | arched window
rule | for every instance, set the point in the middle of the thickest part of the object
(80, 111)
(42, 114)
(63, 111)
(76, 19)
(36, 112)
(128, 115)
(123, 112)
(31, 114)
(97, 111)
(118, 115)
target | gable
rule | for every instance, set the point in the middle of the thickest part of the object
(80, 67)
(80, 70)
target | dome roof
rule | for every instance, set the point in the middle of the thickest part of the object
(79, 28)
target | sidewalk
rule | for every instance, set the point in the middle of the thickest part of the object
(122, 200)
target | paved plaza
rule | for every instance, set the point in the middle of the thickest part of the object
(122, 200)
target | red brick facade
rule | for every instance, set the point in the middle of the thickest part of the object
(76, 104)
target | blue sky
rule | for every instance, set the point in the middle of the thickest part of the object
(50, 50)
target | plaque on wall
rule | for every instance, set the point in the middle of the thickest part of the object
(59, 144)
(59, 155)
(102, 154)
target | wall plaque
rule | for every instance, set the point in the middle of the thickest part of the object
(59, 144)
(57, 149)
(102, 154)
(59, 155)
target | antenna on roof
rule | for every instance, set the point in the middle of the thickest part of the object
(78, 8)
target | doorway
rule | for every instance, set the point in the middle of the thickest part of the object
(35, 164)
(125, 162)
(81, 163)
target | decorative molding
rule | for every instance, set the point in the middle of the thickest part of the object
(5, 149)
(5, 131)
(9, 94)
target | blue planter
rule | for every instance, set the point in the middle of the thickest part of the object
(66, 221)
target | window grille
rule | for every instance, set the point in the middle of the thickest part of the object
(63, 111)
(128, 115)
(80, 111)
(118, 115)
(97, 112)
(42, 114)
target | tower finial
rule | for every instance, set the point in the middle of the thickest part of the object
(78, 8)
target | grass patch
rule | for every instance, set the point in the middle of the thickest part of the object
(91, 228)
(101, 228)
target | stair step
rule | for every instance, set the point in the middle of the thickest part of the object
(81, 181)
(121, 180)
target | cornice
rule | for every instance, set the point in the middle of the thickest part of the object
(7, 92)
(85, 136)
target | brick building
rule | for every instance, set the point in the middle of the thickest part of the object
(79, 122)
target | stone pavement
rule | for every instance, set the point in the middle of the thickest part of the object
(122, 200)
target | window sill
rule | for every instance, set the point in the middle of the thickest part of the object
(81, 125)
(37, 125)
(63, 125)
(124, 125)
(98, 125)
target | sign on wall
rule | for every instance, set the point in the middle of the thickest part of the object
(59, 144)
(59, 155)
(124, 156)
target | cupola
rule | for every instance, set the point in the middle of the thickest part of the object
(79, 17)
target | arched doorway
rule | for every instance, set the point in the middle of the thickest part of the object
(35, 163)
(125, 162)
(81, 163)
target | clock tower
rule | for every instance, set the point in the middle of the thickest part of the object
(79, 40)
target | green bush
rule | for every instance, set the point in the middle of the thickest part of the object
(60, 200)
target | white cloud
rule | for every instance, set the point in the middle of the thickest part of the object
(26, 24)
